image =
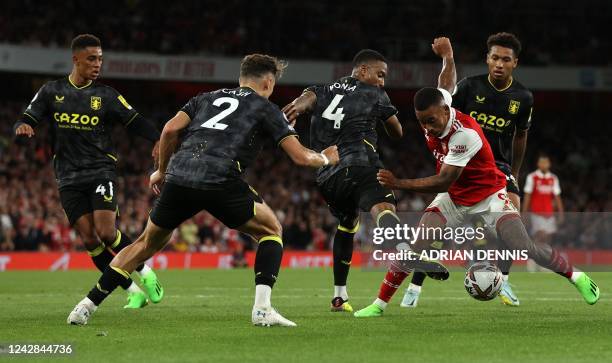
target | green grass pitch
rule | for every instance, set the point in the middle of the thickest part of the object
(205, 316)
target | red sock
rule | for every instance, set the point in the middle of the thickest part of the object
(560, 265)
(390, 284)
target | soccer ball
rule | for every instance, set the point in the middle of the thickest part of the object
(483, 281)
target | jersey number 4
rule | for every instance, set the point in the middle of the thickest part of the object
(214, 122)
(333, 112)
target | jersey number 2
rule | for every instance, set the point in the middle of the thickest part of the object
(333, 113)
(213, 123)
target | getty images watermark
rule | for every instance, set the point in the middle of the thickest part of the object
(409, 241)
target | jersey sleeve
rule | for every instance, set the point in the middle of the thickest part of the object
(38, 108)
(528, 188)
(191, 107)
(384, 108)
(121, 109)
(276, 125)
(523, 121)
(462, 147)
(460, 95)
(556, 186)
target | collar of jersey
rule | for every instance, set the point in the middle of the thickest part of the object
(542, 175)
(77, 87)
(449, 124)
(500, 89)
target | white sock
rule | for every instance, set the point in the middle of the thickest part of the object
(505, 277)
(133, 288)
(381, 304)
(414, 287)
(145, 271)
(90, 304)
(262, 296)
(575, 276)
(340, 291)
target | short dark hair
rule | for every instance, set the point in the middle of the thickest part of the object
(83, 41)
(367, 55)
(426, 97)
(506, 40)
(257, 65)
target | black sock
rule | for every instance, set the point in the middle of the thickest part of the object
(102, 257)
(388, 219)
(109, 281)
(504, 266)
(268, 260)
(343, 253)
(121, 242)
(418, 277)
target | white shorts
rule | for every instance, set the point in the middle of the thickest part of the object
(491, 210)
(539, 223)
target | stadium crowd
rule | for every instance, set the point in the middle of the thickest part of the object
(401, 29)
(31, 217)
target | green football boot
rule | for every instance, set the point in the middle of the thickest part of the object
(136, 300)
(587, 288)
(370, 311)
(152, 287)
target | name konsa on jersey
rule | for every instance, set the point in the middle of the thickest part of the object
(75, 121)
(344, 86)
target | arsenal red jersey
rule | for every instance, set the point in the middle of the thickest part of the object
(543, 188)
(463, 144)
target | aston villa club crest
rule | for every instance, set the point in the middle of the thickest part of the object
(96, 103)
(514, 107)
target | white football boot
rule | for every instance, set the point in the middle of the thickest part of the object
(269, 317)
(81, 313)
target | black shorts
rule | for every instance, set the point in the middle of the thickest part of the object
(80, 199)
(353, 189)
(511, 183)
(233, 203)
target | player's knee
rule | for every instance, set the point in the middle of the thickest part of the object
(107, 235)
(91, 243)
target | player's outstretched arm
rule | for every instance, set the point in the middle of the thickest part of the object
(394, 127)
(303, 104)
(448, 75)
(433, 184)
(519, 146)
(167, 146)
(303, 156)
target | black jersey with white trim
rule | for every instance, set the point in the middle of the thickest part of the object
(345, 114)
(225, 135)
(498, 112)
(82, 119)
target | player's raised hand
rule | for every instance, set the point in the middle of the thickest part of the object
(24, 130)
(291, 112)
(155, 154)
(442, 47)
(387, 179)
(155, 181)
(332, 154)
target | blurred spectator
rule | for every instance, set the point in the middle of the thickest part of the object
(319, 29)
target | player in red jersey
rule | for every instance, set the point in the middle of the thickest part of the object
(468, 183)
(542, 194)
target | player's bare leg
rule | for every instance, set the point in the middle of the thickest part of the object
(512, 232)
(397, 273)
(115, 240)
(265, 228)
